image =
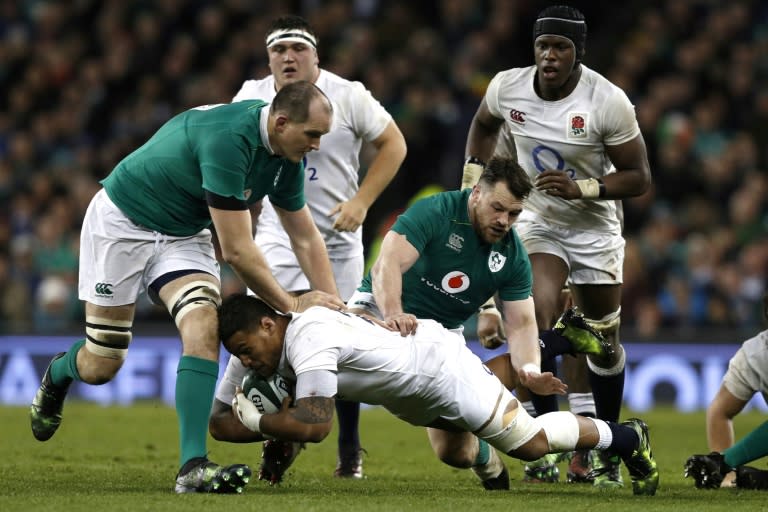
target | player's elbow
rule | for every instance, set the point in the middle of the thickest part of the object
(317, 432)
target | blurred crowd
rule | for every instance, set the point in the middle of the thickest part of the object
(86, 81)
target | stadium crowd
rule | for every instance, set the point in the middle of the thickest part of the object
(87, 81)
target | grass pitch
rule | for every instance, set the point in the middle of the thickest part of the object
(125, 458)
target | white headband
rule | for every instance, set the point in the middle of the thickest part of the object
(292, 35)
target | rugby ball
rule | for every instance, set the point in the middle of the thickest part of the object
(267, 394)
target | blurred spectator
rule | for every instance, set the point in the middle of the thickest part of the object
(76, 101)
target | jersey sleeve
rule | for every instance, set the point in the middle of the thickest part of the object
(418, 222)
(245, 92)
(368, 117)
(492, 96)
(518, 279)
(223, 164)
(288, 193)
(620, 122)
(233, 377)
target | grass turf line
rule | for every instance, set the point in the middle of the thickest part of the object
(124, 458)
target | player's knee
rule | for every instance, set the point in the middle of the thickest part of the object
(456, 455)
(510, 427)
(608, 326)
(191, 296)
(106, 347)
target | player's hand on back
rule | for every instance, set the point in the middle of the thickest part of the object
(558, 184)
(317, 298)
(351, 215)
(542, 383)
(405, 323)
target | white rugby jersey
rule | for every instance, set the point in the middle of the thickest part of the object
(569, 134)
(418, 378)
(331, 172)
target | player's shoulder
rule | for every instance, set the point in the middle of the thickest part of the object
(513, 76)
(338, 88)
(263, 88)
(601, 86)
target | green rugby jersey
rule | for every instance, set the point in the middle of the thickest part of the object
(456, 271)
(217, 148)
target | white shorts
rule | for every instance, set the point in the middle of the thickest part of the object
(119, 259)
(593, 258)
(348, 272)
(748, 369)
(469, 395)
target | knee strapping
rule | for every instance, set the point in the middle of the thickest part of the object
(562, 429)
(193, 295)
(608, 324)
(107, 338)
(510, 427)
(613, 370)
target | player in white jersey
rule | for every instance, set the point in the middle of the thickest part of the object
(429, 378)
(747, 375)
(576, 135)
(337, 203)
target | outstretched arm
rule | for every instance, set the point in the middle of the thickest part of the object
(396, 256)
(524, 352)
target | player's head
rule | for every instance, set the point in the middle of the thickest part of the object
(292, 50)
(559, 43)
(299, 115)
(497, 199)
(252, 331)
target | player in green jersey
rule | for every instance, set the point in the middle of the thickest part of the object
(148, 230)
(445, 257)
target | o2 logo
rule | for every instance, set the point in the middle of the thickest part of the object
(542, 153)
(311, 171)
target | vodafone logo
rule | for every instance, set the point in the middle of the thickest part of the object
(455, 282)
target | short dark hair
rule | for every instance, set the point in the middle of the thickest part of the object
(240, 312)
(291, 23)
(294, 100)
(507, 169)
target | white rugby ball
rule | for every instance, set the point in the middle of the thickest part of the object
(267, 394)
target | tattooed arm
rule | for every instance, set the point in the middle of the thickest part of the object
(309, 421)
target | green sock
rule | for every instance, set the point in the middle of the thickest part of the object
(64, 369)
(751, 447)
(195, 387)
(483, 453)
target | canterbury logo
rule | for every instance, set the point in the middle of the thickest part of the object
(103, 288)
(517, 116)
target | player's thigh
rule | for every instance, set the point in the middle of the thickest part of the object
(348, 273)
(550, 274)
(502, 368)
(114, 253)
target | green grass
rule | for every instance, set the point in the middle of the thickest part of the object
(124, 458)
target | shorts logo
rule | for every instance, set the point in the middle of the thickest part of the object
(455, 242)
(247, 193)
(496, 261)
(103, 289)
(455, 282)
(577, 125)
